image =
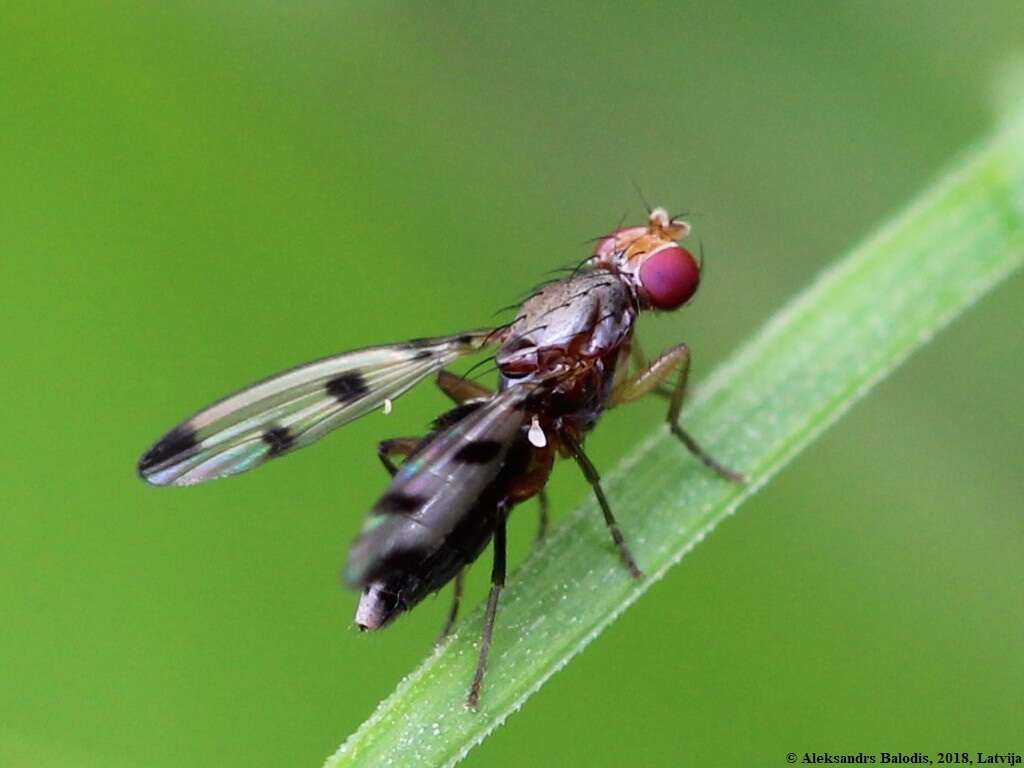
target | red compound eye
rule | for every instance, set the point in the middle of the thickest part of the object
(669, 277)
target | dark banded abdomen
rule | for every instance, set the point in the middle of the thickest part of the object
(439, 512)
(406, 578)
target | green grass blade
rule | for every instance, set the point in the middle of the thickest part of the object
(816, 358)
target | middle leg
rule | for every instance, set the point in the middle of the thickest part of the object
(592, 476)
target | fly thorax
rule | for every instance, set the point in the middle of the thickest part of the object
(567, 321)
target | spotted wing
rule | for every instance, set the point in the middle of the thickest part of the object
(294, 408)
(437, 487)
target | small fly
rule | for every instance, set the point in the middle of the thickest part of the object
(567, 356)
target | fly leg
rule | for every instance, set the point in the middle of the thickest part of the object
(590, 472)
(459, 389)
(453, 612)
(545, 507)
(640, 364)
(649, 380)
(396, 446)
(497, 582)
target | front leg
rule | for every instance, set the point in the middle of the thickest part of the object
(650, 380)
(639, 364)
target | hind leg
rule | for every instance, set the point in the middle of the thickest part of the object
(453, 612)
(396, 446)
(497, 582)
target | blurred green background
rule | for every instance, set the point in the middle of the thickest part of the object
(195, 195)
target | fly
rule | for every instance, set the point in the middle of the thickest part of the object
(568, 356)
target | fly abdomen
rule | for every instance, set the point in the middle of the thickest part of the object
(439, 512)
(406, 576)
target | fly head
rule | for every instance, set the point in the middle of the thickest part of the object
(660, 272)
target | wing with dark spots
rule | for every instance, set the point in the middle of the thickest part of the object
(294, 408)
(351, 386)
(437, 487)
(279, 439)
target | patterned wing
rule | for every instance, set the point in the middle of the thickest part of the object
(437, 487)
(294, 408)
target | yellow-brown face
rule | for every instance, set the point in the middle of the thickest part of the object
(663, 273)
